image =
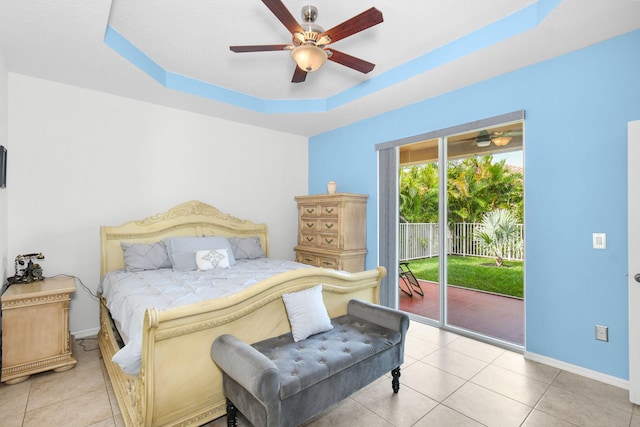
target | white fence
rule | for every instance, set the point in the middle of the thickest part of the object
(422, 241)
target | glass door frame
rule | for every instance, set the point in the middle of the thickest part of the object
(388, 211)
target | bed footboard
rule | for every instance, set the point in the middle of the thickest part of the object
(178, 384)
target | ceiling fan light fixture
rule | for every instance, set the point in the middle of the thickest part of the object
(483, 143)
(501, 141)
(309, 57)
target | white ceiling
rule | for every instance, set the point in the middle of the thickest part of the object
(453, 43)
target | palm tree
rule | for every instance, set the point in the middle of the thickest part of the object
(498, 233)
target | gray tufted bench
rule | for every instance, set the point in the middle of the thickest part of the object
(278, 382)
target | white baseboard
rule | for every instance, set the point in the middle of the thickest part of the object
(594, 375)
(86, 333)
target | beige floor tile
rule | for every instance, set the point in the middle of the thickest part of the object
(79, 411)
(604, 393)
(430, 381)
(540, 419)
(11, 420)
(511, 384)
(442, 416)
(455, 363)
(401, 409)
(418, 348)
(432, 334)
(110, 422)
(476, 349)
(517, 363)
(115, 408)
(581, 410)
(120, 422)
(13, 401)
(54, 387)
(487, 407)
(635, 418)
(348, 413)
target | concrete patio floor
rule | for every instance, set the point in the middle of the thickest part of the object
(489, 314)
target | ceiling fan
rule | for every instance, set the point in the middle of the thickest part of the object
(499, 138)
(309, 44)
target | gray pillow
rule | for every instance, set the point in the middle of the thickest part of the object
(140, 256)
(246, 247)
(182, 250)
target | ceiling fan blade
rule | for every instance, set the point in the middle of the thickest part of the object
(360, 22)
(299, 75)
(351, 61)
(282, 13)
(259, 48)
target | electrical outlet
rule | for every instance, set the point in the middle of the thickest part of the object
(602, 333)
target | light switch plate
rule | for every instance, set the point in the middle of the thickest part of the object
(599, 241)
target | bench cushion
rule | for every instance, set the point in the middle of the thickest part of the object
(305, 363)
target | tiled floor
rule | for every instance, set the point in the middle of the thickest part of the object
(447, 380)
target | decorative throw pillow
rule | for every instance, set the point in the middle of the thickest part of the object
(140, 256)
(182, 249)
(212, 258)
(307, 313)
(246, 247)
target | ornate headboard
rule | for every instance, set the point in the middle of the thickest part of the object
(192, 218)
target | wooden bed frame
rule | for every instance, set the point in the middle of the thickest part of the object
(178, 384)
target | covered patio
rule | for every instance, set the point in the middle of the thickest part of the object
(497, 316)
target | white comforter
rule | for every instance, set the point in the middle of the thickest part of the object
(129, 294)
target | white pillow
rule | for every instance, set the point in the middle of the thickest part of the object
(212, 258)
(307, 313)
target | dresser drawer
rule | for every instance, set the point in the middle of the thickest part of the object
(328, 209)
(328, 225)
(309, 239)
(328, 262)
(328, 240)
(309, 210)
(306, 258)
(308, 225)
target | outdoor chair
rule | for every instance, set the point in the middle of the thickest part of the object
(409, 281)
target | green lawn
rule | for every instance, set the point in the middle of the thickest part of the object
(475, 273)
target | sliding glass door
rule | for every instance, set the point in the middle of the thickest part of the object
(461, 224)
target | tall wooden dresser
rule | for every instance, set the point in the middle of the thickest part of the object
(332, 231)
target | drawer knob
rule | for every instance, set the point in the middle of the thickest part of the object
(309, 239)
(310, 210)
(310, 224)
(327, 263)
(328, 240)
(329, 225)
(329, 210)
(309, 259)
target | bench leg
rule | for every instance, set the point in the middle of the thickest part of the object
(232, 414)
(395, 382)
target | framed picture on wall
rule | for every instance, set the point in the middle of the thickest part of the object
(3, 166)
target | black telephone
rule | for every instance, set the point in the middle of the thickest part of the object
(31, 273)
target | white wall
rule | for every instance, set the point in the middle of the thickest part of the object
(81, 159)
(4, 119)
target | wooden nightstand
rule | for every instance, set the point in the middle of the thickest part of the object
(35, 328)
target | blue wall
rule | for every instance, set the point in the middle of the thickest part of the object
(577, 108)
